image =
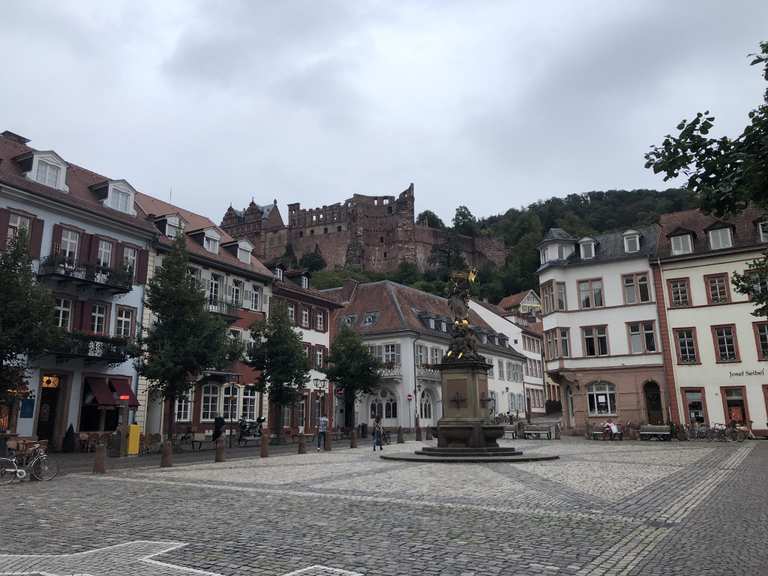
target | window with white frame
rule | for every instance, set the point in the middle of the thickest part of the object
(587, 249)
(421, 355)
(211, 244)
(104, 254)
(172, 227)
(248, 410)
(762, 228)
(69, 243)
(130, 256)
(726, 349)
(681, 244)
(602, 399)
(631, 242)
(435, 355)
(47, 173)
(642, 337)
(244, 255)
(392, 354)
(210, 402)
(591, 293)
(390, 408)
(214, 288)
(121, 200)
(184, 407)
(236, 292)
(320, 321)
(98, 318)
(291, 313)
(319, 357)
(720, 238)
(16, 223)
(124, 324)
(426, 405)
(279, 274)
(595, 341)
(230, 402)
(501, 369)
(256, 298)
(305, 317)
(63, 308)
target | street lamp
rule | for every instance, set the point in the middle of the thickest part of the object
(418, 404)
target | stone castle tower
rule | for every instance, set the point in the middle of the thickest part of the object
(373, 233)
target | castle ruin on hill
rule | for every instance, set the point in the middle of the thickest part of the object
(372, 233)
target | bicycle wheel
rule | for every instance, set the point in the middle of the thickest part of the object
(45, 469)
(7, 471)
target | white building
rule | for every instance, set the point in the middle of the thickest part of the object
(91, 249)
(601, 328)
(716, 351)
(523, 336)
(409, 331)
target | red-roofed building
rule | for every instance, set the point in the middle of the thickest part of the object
(91, 248)
(525, 302)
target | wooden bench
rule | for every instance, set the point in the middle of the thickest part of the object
(537, 431)
(660, 432)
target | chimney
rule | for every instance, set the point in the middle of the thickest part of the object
(14, 137)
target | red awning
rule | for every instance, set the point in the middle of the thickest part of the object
(101, 392)
(124, 392)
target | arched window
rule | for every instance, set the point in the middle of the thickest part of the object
(602, 399)
(390, 408)
(426, 405)
(249, 403)
(210, 404)
(377, 408)
(230, 402)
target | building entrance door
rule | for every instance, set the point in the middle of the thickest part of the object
(46, 416)
(653, 407)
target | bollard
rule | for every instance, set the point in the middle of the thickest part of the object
(400, 438)
(353, 438)
(100, 460)
(418, 433)
(220, 450)
(264, 444)
(429, 433)
(302, 444)
(166, 459)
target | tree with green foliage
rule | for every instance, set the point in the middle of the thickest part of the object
(464, 222)
(278, 354)
(430, 220)
(407, 273)
(184, 339)
(312, 261)
(447, 256)
(726, 174)
(353, 369)
(27, 319)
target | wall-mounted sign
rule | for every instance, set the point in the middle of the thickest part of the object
(742, 373)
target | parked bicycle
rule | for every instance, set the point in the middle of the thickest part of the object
(35, 463)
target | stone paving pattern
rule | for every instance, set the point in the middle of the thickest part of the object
(604, 508)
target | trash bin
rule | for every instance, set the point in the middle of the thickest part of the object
(134, 436)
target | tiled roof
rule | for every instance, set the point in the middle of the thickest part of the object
(610, 247)
(291, 289)
(402, 308)
(744, 226)
(513, 300)
(556, 234)
(79, 180)
(154, 207)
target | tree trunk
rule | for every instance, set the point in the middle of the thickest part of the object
(349, 410)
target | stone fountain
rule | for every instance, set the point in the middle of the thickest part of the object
(466, 432)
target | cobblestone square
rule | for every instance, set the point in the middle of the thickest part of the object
(634, 508)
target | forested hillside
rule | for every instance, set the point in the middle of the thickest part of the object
(522, 229)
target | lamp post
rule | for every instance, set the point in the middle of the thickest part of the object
(418, 404)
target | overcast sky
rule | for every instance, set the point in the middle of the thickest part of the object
(489, 104)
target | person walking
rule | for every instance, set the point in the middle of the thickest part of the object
(378, 432)
(322, 430)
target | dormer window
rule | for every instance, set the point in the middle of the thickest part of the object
(720, 238)
(121, 200)
(47, 168)
(631, 242)
(304, 282)
(279, 273)
(47, 173)
(587, 249)
(173, 226)
(762, 228)
(681, 244)
(244, 255)
(543, 255)
(211, 244)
